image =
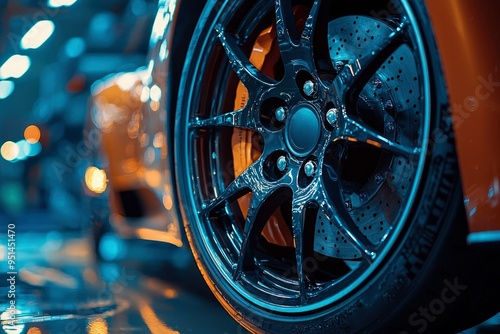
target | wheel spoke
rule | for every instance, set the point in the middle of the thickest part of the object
(249, 75)
(298, 222)
(354, 131)
(310, 26)
(246, 182)
(351, 232)
(355, 75)
(338, 212)
(254, 224)
(238, 119)
(286, 28)
(265, 200)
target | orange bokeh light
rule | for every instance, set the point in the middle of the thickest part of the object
(96, 180)
(32, 134)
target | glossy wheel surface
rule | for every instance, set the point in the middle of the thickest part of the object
(305, 134)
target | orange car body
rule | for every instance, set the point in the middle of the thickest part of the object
(466, 34)
(470, 55)
(133, 157)
(129, 112)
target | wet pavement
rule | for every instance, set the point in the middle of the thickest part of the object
(56, 286)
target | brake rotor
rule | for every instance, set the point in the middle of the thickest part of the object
(392, 99)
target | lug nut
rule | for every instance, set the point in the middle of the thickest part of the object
(310, 88)
(389, 106)
(331, 116)
(280, 114)
(310, 168)
(282, 163)
(390, 127)
(339, 65)
(348, 204)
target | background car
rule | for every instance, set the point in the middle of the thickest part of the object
(335, 163)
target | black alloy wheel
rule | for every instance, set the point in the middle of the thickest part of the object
(315, 193)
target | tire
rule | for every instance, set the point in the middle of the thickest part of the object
(324, 196)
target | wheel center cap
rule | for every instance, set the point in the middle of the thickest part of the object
(303, 131)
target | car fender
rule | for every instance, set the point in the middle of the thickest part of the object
(467, 38)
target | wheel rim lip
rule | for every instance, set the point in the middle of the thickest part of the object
(220, 268)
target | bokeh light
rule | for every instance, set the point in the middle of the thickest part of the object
(24, 149)
(74, 47)
(97, 326)
(96, 180)
(60, 3)
(37, 35)
(9, 151)
(6, 88)
(32, 134)
(15, 67)
(34, 330)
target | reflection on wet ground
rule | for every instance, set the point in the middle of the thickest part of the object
(55, 286)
